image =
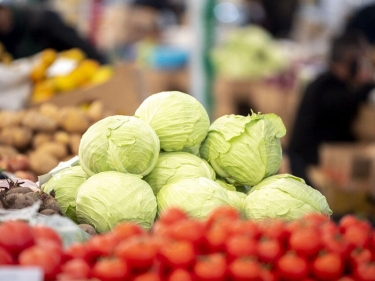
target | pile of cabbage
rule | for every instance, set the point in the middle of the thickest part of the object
(249, 52)
(169, 155)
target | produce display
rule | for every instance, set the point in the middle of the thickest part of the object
(132, 168)
(55, 73)
(37, 139)
(223, 247)
(19, 194)
(249, 52)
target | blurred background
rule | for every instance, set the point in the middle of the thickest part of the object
(308, 61)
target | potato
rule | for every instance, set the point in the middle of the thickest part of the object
(7, 151)
(75, 139)
(74, 120)
(62, 137)
(41, 138)
(54, 148)
(39, 122)
(48, 212)
(10, 118)
(95, 111)
(88, 229)
(42, 163)
(19, 162)
(18, 137)
(51, 111)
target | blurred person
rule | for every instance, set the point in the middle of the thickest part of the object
(330, 103)
(364, 20)
(26, 30)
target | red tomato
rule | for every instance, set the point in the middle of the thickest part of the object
(223, 213)
(177, 254)
(110, 269)
(267, 275)
(245, 269)
(147, 276)
(5, 257)
(210, 268)
(16, 236)
(365, 272)
(269, 250)
(216, 237)
(328, 267)
(292, 267)
(359, 256)
(103, 245)
(79, 250)
(245, 227)
(43, 233)
(137, 252)
(355, 236)
(315, 219)
(240, 246)
(306, 242)
(126, 230)
(172, 215)
(336, 244)
(274, 228)
(347, 221)
(180, 274)
(329, 228)
(39, 256)
(346, 278)
(188, 230)
(76, 269)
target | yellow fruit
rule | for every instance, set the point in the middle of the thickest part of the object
(85, 70)
(43, 91)
(64, 83)
(75, 54)
(103, 74)
(38, 73)
(48, 56)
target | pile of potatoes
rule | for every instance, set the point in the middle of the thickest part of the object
(46, 134)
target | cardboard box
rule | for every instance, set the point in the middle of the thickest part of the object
(349, 167)
(364, 125)
(119, 94)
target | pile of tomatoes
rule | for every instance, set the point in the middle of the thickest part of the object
(222, 248)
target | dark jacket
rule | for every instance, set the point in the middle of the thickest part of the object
(36, 29)
(325, 114)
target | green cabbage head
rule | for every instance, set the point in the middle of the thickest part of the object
(119, 143)
(176, 165)
(178, 119)
(197, 196)
(108, 198)
(284, 196)
(244, 149)
(65, 184)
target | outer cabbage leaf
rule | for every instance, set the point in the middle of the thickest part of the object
(284, 196)
(176, 165)
(108, 198)
(178, 119)
(119, 143)
(198, 197)
(65, 184)
(244, 149)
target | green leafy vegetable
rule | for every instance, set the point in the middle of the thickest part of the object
(108, 198)
(119, 143)
(244, 149)
(284, 196)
